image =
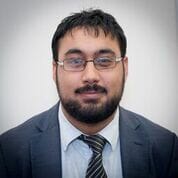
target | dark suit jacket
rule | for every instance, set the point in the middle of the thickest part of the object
(32, 150)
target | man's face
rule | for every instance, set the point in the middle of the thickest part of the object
(91, 95)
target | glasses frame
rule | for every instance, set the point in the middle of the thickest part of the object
(61, 63)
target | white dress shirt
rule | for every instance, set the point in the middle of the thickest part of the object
(76, 154)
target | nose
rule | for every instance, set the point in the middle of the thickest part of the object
(90, 74)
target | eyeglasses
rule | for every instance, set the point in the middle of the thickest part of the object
(79, 64)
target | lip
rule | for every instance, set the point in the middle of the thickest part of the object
(90, 95)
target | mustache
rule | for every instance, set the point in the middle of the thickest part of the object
(94, 87)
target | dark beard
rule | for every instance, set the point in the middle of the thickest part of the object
(91, 113)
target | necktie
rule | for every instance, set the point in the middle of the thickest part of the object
(95, 167)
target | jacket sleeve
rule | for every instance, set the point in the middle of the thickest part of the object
(174, 163)
(3, 173)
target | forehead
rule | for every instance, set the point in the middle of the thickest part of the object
(87, 40)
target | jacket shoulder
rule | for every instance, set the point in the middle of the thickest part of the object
(152, 129)
(163, 144)
(29, 128)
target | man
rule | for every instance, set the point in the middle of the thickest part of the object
(87, 134)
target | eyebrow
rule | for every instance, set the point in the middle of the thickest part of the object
(99, 52)
(105, 51)
(74, 51)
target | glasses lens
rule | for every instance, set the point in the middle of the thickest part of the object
(104, 63)
(74, 64)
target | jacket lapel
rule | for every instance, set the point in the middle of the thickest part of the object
(45, 148)
(134, 147)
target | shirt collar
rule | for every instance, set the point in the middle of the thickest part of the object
(69, 133)
(111, 131)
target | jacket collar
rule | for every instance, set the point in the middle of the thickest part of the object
(49, 119)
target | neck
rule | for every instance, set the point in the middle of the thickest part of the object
(88, 129)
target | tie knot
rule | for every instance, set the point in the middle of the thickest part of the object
(95, 142)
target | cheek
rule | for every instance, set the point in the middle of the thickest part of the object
(67, 84)
(113, 82)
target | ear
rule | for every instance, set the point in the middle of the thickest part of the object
(125, 65)
(54, 64)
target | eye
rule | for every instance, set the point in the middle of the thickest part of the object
(104, 61)
(74, 62)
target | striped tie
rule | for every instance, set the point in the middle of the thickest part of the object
(95, 167)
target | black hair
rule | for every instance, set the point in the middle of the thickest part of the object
(90, 19)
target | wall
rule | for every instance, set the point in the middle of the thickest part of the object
(25, 58)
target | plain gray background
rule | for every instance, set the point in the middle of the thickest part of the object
(26, 81)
